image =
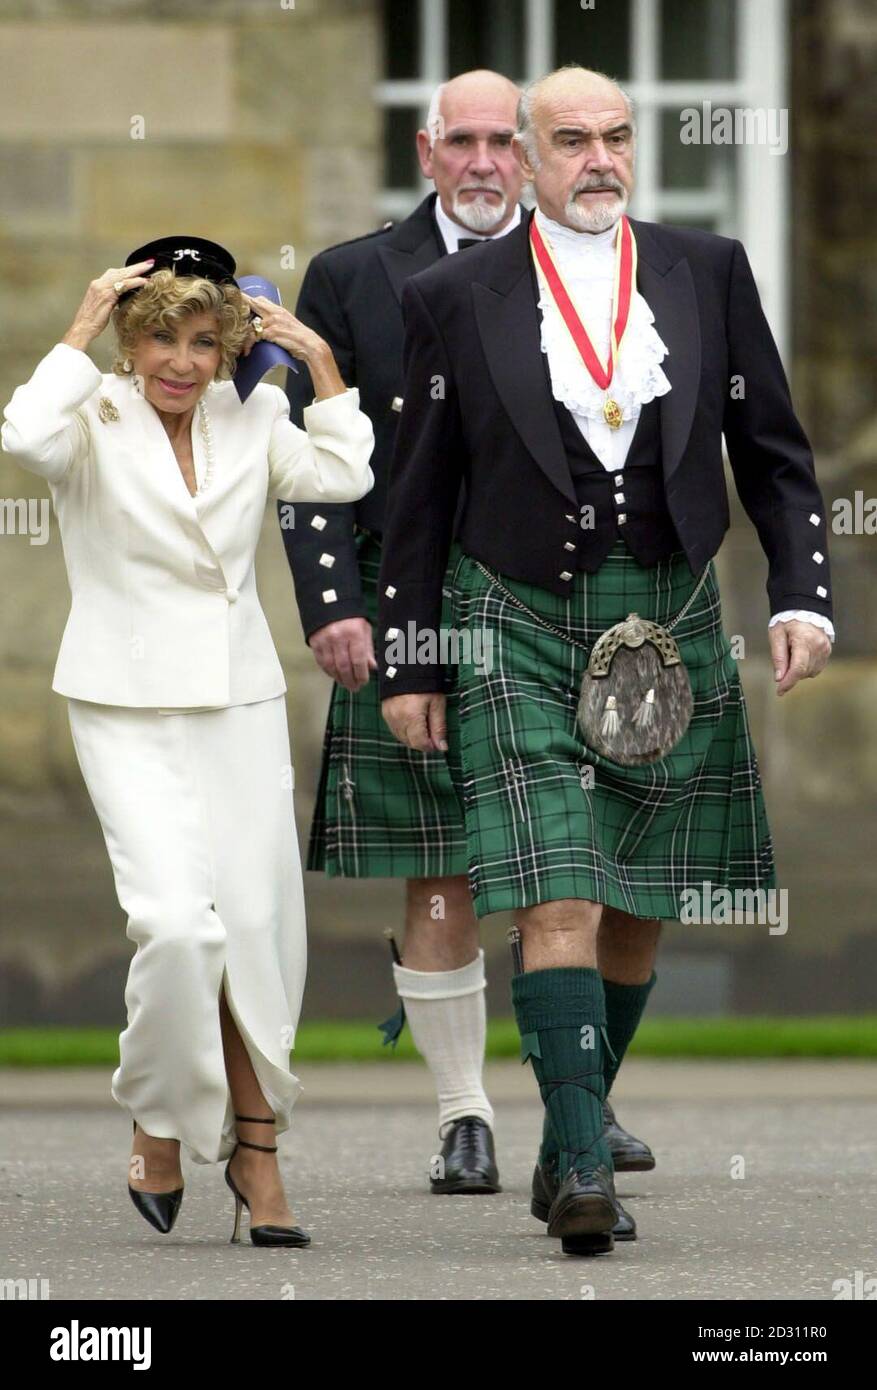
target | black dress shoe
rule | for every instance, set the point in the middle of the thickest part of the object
(544, 1191)
(468, 1161)
(629, 1155)
(584, 1212)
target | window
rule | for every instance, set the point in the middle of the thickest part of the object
(670, 55)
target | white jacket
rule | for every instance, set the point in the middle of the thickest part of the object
(165, 611)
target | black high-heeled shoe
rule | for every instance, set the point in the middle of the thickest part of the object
(159, 1208)
(267, 1234)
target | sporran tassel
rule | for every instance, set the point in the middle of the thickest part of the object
(646, 710)
(609, 726)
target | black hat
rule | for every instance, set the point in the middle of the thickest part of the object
(186, 255)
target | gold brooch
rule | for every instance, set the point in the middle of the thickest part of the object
(106, 410)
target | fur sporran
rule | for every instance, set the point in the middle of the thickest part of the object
(635, 702)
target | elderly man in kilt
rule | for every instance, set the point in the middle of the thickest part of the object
(576, 378)
(384, 810)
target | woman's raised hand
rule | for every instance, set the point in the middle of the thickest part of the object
(100, 300)
(279, 326)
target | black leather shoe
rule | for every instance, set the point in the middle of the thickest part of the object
(629, 1155)
(159, 1208)
(468, 1161)
(544, 1191)
(584, 1212)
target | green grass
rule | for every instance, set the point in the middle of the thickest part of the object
(825, 1035)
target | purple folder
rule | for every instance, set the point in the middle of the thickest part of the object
(262, 356)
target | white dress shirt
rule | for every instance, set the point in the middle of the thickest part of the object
(586, 261)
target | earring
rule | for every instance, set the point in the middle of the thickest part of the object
(127, 365)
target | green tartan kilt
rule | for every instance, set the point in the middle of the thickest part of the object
(546, 816)
(384, 810)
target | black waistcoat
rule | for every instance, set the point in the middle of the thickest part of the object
(628, 503)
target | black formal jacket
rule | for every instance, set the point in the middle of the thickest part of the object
(477, 408)
(351, 295)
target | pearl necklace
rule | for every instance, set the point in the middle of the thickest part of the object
(207, 437)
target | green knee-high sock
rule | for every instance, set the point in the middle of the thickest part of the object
(625, 1005)
(561, 1016)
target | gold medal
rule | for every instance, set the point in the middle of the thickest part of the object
(612, 413)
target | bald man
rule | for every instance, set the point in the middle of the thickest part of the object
(589, 365)
(383, 810)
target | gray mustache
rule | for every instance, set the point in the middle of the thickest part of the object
(612, 187)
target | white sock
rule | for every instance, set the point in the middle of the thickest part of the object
(448, 1020)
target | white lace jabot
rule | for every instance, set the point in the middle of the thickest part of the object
(586, 261)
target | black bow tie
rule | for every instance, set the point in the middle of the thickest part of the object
(470, 241)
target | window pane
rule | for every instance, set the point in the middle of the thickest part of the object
(597, 38)
(401, 169)
(704, 222)
(692, 166)
(698, 39)
(401, 30)
(489, 34)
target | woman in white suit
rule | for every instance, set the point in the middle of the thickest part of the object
(159, 477)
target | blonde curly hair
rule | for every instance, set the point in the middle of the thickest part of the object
(166, 300)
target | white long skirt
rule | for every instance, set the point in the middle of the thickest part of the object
(197, 813)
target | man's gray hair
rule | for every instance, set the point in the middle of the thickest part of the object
(526, 132)
(433, 115)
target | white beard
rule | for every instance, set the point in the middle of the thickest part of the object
(479, 215)
(597, 217)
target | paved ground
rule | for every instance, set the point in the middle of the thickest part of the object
(802, 1217)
